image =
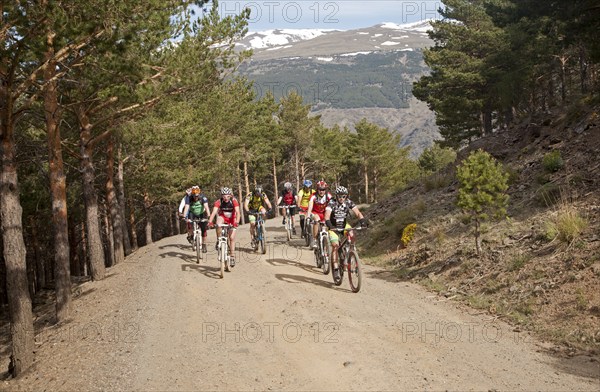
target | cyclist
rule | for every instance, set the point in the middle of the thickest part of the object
(196, 207)
(316, 207)
(287, 197)
(184, 201)
(227, 211)
(256, 202)
(336, 213)
(302, 201)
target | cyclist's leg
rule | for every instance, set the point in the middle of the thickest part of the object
(317, 218)
(302, 212)
(252, 220)
(334, 239)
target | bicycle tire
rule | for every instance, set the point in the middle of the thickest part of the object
(222, 263)
(326, 253)
(255, 239)
(307, 232)
(263, 245)
(224, 256)
(355, 272)
(198, 244)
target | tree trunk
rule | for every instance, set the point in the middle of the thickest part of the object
(112, 205)
(147, 205)
(297, 165)
(11, 214)
(240, 193)
(74, 246)
(40, 274)
(84, 253)
(132, 224)
(366, 175)
(246, 178)
(108, 232)
(58, 189)
(94, 239)
(121, 198)
(276, 196)
(477, 237)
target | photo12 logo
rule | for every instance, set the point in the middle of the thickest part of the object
(330, 14)
(280, 12)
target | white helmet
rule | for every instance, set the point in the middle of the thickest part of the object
(287, 185)
(226, 191)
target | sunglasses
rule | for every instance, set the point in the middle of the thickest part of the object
(342, 196)
(322, 189)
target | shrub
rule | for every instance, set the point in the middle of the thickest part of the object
(567, 225)
(552, 161)
(408, 234)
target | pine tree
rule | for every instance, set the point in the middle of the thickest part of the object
(483, 184)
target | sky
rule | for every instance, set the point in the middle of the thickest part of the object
(327, 14)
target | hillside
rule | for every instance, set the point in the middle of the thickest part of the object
(525, 276)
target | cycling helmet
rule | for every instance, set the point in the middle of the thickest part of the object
(287, 185)
(341, 190)
(258, 190)
(307, 183)
(195, 190)
(322, 185)
(226, 191)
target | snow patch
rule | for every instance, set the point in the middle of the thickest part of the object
(389, 43)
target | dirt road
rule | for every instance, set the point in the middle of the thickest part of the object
(162, 322)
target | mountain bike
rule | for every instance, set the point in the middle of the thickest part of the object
(259, 233)
(289, 228)
(323, 250)
(223, 249)
(197, 237)
(308, 222)
(348, 260)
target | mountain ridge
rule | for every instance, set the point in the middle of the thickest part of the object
(349, 75)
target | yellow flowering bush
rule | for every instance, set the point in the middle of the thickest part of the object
(408, 234)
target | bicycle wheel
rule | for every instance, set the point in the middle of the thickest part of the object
(198, 245)
(307, 232)
(355, 272)
(262, 240)
(288, 228)
(225, 256)
(221, 262)
(255, 240)
(326, 255)
(318, 258)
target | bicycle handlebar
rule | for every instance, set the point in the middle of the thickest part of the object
(358, 228)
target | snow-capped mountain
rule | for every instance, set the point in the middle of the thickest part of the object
(278, 43)
(349, 75)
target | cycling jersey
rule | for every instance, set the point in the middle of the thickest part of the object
(288, 198)
(339, 212)
(226, 209)
(304, 197)
(256, 201)
(319, 203)
(197, 207)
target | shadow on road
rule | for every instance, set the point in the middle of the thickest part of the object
(289, 278)
(213, 272)
(307, 267)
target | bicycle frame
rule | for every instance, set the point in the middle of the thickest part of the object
(197, 237)
(259, 232)
(223, 248)
(288, 221)
(323, 248)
